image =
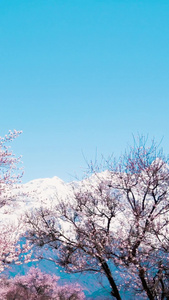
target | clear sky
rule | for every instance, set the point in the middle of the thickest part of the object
(81, 75)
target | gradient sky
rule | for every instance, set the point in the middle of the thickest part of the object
(81, 75)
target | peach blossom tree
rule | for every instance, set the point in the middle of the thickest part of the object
(117, 225)
(10, 174)
(37, 285)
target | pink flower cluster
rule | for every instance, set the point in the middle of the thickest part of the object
(36, 285)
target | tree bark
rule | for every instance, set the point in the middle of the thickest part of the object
(106, 269)
(144, 284)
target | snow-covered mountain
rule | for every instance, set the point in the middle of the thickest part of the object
(34, 194)
(44, 192)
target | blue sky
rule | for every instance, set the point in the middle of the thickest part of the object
(82, 75)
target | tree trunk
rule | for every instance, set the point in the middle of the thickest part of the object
(144, 284)
(106, 269)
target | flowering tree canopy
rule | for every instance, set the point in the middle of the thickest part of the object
(37, 285)
(9, 171)
(10, 174)
(117, 225)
